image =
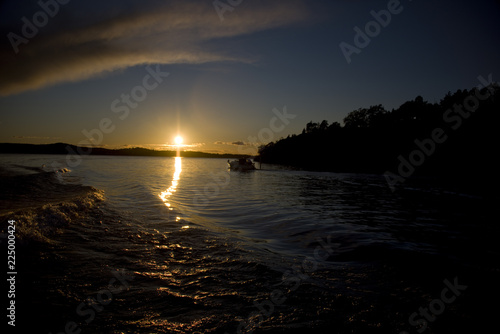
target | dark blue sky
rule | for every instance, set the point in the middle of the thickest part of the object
(226, 76)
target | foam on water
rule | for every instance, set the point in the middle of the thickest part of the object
(240, 259)
(41, 202)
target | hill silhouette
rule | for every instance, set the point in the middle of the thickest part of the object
(62, 148)
(457, 136)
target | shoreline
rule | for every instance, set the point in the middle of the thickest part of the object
(68, 149)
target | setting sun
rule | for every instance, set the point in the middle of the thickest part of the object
(178, 140)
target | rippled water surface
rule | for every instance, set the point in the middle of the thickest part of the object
(181, 245)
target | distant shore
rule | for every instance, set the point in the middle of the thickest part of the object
(63, 148)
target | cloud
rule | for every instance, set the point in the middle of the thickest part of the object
(234, 143)
(168, 32)
(34, 137)
(219, 142)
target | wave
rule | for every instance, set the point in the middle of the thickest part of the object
(42, 203)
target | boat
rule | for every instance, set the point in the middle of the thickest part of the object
(241, 165)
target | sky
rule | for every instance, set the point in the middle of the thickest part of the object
(227, 75)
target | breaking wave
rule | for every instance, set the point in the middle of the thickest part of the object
(42, 202)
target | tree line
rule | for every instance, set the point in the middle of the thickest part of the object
(375, 140)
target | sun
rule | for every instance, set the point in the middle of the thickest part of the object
(178, 140)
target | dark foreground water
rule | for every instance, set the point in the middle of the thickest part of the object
(163, 245)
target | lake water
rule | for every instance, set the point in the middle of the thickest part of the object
(182, 245)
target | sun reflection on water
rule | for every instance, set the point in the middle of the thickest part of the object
(165, 195)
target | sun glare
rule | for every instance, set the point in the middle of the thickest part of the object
(178, 140)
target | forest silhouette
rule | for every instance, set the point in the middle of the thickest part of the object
(63, 148)
(375, 140)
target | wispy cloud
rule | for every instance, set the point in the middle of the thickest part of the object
(241, 143)
(174, 32)
(34, 137)
(235, 143)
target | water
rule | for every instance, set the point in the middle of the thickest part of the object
(181, 245)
